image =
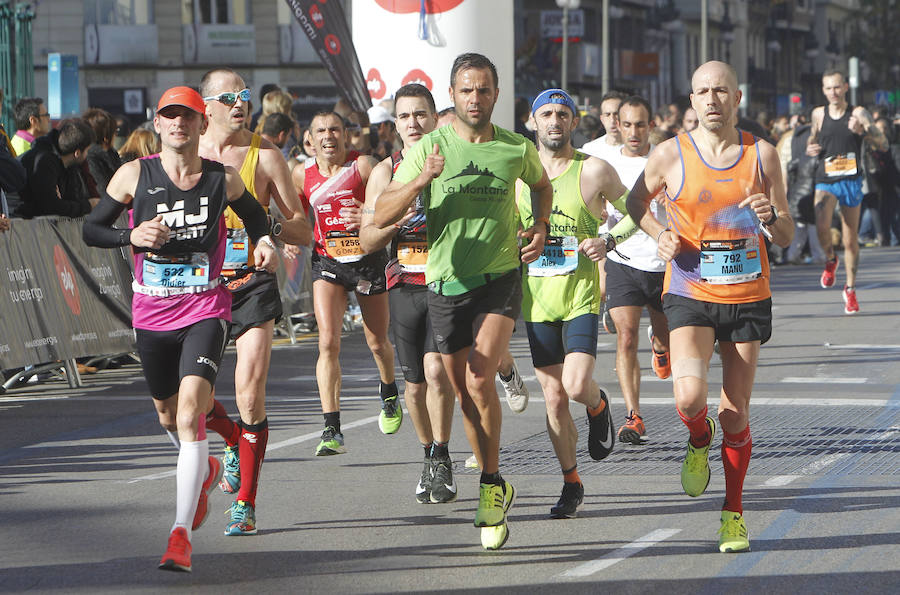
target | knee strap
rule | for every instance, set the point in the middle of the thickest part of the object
(689, 366)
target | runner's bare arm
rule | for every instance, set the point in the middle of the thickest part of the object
(371, 237)
(296, 228)
(872, 133)
(781, 226)
(396, 198)
(541, 204)
(813, 148)
(254, 217)
(650, 183)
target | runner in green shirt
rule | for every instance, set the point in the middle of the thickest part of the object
(467, 172)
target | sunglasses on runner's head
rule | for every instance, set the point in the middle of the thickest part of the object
(229, 98)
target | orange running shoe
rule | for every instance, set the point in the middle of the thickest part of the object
(178, 553)
(660, 360)
(633, 431)
(215, 474)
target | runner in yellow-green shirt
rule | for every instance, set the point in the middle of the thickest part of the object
(561, 291)
(467, 173)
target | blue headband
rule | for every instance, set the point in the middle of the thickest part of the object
(554, 96)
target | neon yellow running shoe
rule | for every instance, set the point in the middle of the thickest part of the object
(733, 535)
(493, 538)
(391, 415)
(695, 469)
(493, 502)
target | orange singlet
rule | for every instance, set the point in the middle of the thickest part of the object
(723, 253)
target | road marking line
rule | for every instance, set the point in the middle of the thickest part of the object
(821, 380)
(589, 568)
(863, 347)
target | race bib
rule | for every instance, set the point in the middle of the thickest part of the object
(189, 270)
(560, 257)
(343, 246)
(412, 255)
(237, 250)
(725, 262)
(840, 165)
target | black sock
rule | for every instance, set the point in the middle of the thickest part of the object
(388, 390)
(440, 450)
(493, 478)
(505, 378)
(333, 419)
(427, 448)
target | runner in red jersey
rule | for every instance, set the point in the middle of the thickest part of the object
(333, 185)
(723, 192)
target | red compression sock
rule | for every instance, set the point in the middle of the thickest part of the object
(254, 438)
(735, 459)
(218, 421)
(698, 427)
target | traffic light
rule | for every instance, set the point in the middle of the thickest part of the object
(795, 103)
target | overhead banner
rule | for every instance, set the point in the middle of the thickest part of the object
(59, 298)
(326, 27)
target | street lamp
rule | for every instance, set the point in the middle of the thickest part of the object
(566, 5)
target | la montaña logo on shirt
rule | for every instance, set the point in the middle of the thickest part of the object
(478, 192)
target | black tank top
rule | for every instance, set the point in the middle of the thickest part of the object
(194, 215)
(840, 158)
(412, 240)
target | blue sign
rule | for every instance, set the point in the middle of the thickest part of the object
(62, 85)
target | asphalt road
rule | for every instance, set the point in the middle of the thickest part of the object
(87, 480)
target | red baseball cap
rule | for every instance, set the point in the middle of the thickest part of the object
(184, 96)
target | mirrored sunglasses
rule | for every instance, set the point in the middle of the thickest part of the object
(229, 98)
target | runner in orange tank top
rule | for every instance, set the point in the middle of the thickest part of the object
(723, 192)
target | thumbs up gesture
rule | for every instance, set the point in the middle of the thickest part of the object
(434, 163)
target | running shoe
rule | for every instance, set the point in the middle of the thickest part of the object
(633, 431)
(733, 536)
(827, 279)
(608, 325)
(569, 502)
(600, 434)
(178, 552)
(516, 392)
(851, 306)
(493, 503)
(423, 487)
(231, 476)
(332, 443)
(695, 469)
(443, 487)
(209, 484)
(391, 415)
(243, 519)
(660, 360)
(472, 462)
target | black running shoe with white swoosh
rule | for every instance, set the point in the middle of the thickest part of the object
(600, 431)
(423, 488)
(443, 486)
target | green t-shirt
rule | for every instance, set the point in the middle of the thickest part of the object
(562, 284)
(470, 209)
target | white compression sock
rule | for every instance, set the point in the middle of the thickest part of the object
(193, 466)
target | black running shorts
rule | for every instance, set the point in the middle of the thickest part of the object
(255, 300)
(550, 342)
(411, 329)
(365, 276)
(628, 286)
(738, 323)
(452, 316)
(169, 356)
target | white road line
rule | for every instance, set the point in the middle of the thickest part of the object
(818, 465)
(863, 347)
(820, 380)
(589, 568)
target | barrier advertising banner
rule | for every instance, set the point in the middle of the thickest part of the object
(59, 298)
(326, 26)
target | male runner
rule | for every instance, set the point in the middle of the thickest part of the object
(257, 304)
(611, 141)
(333, 183)
(837, 133)
(429, 395)
(468, 172)
(723, 191)
(180, 309)
(561, 296)
(634, 274)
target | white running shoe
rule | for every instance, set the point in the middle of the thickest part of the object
(516, 391)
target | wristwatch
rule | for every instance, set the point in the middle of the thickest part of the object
(771, 220)
(274, 226)
(609, 241)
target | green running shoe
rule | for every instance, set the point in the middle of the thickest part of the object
(391, 415)
(733, 536)
(243, 519)
(493, 502)
(695, 469)
(231, 475)
(332, 443)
